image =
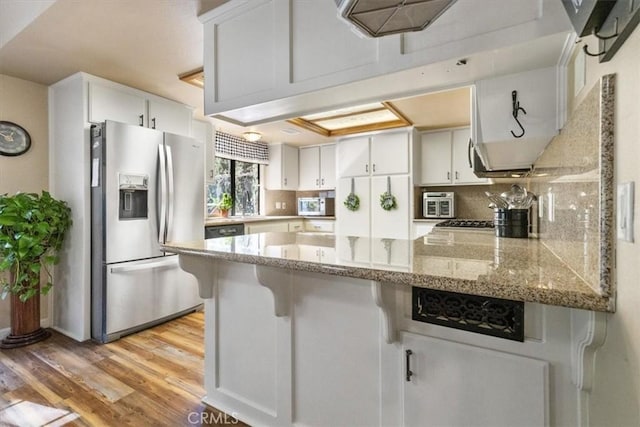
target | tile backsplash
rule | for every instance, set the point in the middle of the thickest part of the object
(574, 180)
(470, 201)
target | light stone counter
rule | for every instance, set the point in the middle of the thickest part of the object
(466, 262)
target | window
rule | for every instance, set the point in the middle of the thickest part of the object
(241, 180)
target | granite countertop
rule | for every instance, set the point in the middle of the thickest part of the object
(459, 261)
(258, 218)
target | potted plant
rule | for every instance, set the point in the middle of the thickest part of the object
(32, 229)
(226, 203)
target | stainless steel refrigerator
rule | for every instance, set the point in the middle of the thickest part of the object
(147, 187)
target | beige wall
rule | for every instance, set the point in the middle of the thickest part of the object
(615, 399)
(24, 103)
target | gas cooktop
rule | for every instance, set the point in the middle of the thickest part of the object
(466, 223)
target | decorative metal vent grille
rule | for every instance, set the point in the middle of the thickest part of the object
(484, 315)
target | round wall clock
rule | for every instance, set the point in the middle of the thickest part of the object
(14, 140)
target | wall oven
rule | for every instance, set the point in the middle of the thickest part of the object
(438, 205)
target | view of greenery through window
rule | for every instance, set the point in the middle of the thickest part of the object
(240, 180)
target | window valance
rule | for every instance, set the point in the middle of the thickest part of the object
(236, 148)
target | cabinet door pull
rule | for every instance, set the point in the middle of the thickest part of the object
(285, 181)
(408, 373)
(374, 167)
(153, 123)
(141, 118)
(457, 175)
(469, 147)
(322, 181)
(448, 176)
(317, 182)
(366, 167)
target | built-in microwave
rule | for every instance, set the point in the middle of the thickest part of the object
(438, 205)
(316, 206)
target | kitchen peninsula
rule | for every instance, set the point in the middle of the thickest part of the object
(297, 340)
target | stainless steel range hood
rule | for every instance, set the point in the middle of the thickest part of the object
(377, 18)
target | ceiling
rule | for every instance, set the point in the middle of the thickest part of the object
(146, 44)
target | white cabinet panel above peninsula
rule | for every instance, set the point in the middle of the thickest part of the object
(303, 47)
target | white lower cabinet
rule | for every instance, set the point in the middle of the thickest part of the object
(266, 227)
(321, 225)
(336, 375)
(294, 348)
(317, 253)
(452, 384)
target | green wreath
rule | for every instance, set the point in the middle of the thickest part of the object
(388, 200)
(352, 202)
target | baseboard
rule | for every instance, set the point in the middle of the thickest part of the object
(45, 323)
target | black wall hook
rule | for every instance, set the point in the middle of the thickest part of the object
(585, 48)
(516, 109)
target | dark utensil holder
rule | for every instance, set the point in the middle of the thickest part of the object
(511, 222)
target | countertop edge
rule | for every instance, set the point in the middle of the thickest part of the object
(568, 299)
(215, 221)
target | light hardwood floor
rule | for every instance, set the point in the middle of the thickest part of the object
(154, 377)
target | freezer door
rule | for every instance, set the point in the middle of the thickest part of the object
(131, 218)
(185, 184)
(141, 292)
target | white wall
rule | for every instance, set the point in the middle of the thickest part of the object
(25, 103)
(615, 399)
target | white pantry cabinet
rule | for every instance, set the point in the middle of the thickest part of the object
(110, 101)
(444, 158)
(302, 47)
(372, 161)
(455, 384)
(353, 223)
(282, 170)
(318, 167)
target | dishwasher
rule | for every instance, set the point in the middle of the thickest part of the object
(213, 231)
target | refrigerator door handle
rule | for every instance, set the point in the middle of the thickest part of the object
(162, 202)
(170, 192)
(146, 266)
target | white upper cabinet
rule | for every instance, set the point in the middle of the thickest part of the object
(282, 171)
(203, 132)
(435, 158)
(390, 153)
(352, 157)
(445, 158)
(495, 127)
(379, 154)
(328, 166)
(110, 101)
(318, 167)
(107, 103)
(169, 116)
(303, 47)
(462, 163)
